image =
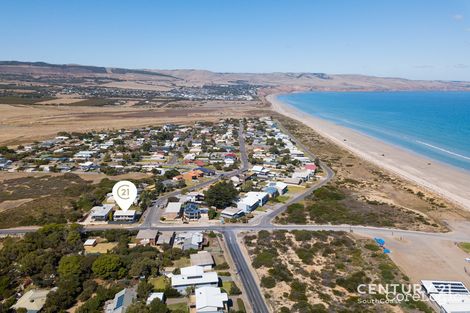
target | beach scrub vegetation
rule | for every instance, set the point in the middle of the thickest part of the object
(319, 271)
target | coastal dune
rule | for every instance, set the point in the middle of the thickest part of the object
(447, 181)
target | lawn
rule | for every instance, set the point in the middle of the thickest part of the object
(101, 247)
(179, 307)
(282, 199)
(183, 262)
(227, 285)
(465, 246)
(296, 189)
(159, 283)
(241, 305)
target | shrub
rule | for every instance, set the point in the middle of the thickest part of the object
(268, 282)
(265, 258)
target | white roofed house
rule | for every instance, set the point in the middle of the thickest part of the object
(100, 213)
(210, 300)
(248, 204)
(303, 175)
(194, 276)
(156, 295)
(84, 155)
(124, 216)
(449, 296)
(280, 186)
(262, 197)
(33, 300)
(258, 169)
(173, 210)
(88, 166)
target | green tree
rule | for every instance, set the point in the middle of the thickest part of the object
(234, 290)
(138, 307)
(143, 290)
(70, 266)
(157, 306)
(221, 195)
(268, 282)
(107, 266)
(212, 214)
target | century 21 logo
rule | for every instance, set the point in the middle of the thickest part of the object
(123, 192)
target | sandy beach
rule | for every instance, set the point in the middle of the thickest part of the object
(446, 181)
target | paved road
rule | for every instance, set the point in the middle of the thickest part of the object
(250, 285)
(152, 215)
(152, 220)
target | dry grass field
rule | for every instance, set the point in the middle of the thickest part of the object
(22, 124)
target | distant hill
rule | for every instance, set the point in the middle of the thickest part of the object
(270, 81)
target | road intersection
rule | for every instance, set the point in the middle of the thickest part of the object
(151, 220)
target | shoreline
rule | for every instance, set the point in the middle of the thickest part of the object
(442, 179)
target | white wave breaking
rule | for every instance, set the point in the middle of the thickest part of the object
(443, 150)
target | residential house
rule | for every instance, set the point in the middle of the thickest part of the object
(262, 197)
(206, 171)
(101, 213)
(84, 155)
(191, 212)
(33, 300)
(248, 204)
(172, 210)
(4, 163)
(194, 196)
(147, 237)
(310, 167)
(271, 191)
(194, 276)
(280, 186)
(258, 169)
(166, 238)
(232, 212)
(189, 240)
(88, 166)
(303, 175)
(124, 216)
(210, 300)
(193, 175)
(293, 181)
(90, 242)
(204, 259)
(156, 295)
(122, 300)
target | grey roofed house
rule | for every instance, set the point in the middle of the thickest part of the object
(202, 258)
(166, 237)
(33, 300)
(147, 236)
(293, 181)
(122, 300)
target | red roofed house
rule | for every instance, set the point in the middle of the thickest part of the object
(310, 166)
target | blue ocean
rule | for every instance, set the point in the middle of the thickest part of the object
(433, 124)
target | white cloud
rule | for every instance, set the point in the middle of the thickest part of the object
(458, 17)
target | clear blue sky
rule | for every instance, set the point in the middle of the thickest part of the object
(423, 39)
